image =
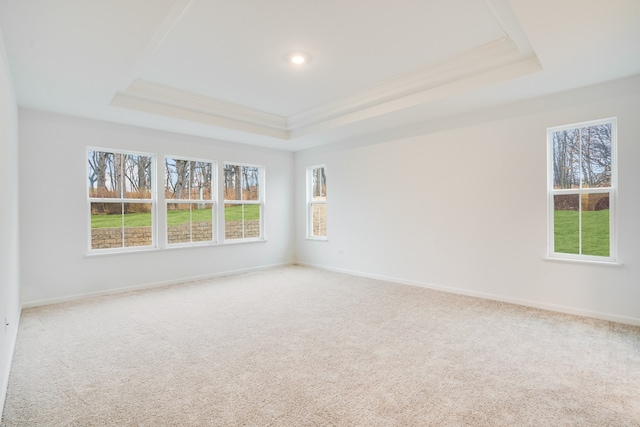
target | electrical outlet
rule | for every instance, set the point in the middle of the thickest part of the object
(340, 251)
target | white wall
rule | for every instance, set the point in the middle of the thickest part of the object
(54, 235)
(9, 246)
(461, 206)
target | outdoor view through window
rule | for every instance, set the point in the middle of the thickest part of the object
(242, 202)
(582, 188)
(188, 195)
(121, 199)
(317, 202)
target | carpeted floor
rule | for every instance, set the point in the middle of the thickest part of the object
(297, 346)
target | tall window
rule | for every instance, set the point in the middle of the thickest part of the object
(243, 202)
(189, 199)
(317, 202)
(582, 187)
(121, 199)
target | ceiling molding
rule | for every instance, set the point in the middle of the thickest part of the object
(194, 114)
(179, 98)
(474, 68)
(473, 81)
(178, 10)
(477, 60)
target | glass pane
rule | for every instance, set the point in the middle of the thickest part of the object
(102, 174)
(232, 182)
(566, 159)
(233, 217)
(241, 221)
(137, 176)
(200, 181)
(566, 223)
(177, 179)
(178, 222)
(137, 224)
(596, 156)
(318, 184)
(251, 221)
(595, 224)
(250, 183)
(202, 222)
(106, 225)
(319, 219)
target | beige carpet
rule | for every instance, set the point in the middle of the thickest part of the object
(302, 347)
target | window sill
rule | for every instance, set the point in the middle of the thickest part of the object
(99, 253)
(175, 246)
(241, 241)
(583, 261)
(317, 239)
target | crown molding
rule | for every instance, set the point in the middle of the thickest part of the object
(192, 113)
(502, 59)
(496, 54)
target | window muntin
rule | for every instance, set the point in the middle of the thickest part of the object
(582, 185)
(121, 199)
(243, 202)
(190, 204)
(317, 202)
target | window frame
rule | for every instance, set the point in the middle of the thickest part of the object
(611, 191)
(213, 202)
(152, 201)
(311, 203)
(260, 202)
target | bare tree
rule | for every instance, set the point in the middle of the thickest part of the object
(98, 163)
(182, 183)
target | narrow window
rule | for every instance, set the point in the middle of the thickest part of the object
(317, 202)
(243, 202)
(582, 188)
(190, 202)
(121, 199)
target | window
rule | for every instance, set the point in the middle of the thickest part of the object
(582, 186)
(243, 202)
(189, 199)
(317, 202)
(120, 198)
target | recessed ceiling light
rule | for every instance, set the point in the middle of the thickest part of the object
(298, 58)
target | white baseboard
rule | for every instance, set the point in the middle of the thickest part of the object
(74, 297)
(12, 348)
(494, 297)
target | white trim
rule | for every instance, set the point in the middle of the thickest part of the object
(611, 190)
(261, 202)
(635, 321)
(13, 338)
(176, 12)
(115, 291)
(152, 200)
(247, 240)
(583, 260)
(508, 56)
(213, 201)
(153, 91)
(310, 202)
(194, 114)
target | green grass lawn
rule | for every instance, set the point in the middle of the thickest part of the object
(174, 217)
(234, 213)
(115, 220)
(595, 232)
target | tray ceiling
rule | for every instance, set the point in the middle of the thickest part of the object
(218, 69)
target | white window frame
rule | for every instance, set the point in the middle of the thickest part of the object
(611, 191)
(212, 202)
(151, 200)
(260, 202)
(311, 202)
